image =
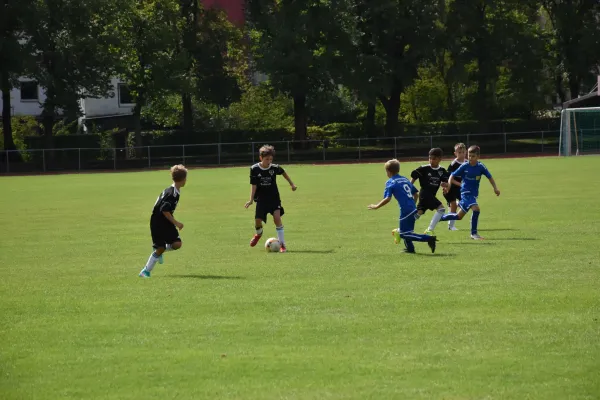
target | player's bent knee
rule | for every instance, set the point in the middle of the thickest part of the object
(176, 245)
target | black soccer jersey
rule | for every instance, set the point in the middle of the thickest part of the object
(265, 180)
(167, 201)
(454, 165)
(429, 179)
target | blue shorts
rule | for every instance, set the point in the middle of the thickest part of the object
(407, 222)
(466, 202)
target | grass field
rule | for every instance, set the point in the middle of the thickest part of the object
(342, 315)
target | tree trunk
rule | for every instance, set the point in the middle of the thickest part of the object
(370, 119)
(300, 117)
(482, 96)
(137, 124)
(392, 109)
(188, 116)
(574, 85)
(9, 144)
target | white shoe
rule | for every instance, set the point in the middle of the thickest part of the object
(476, 237)
(452, 228)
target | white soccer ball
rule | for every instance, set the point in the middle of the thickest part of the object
(272, 245)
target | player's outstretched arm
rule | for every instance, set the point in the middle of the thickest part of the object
(287, 178)
(496, 190)
(380, 204)
(252, 194)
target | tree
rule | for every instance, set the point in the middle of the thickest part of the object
(490, 35)
(392, 38)
(575, 30)
(151, 64)
(72, 45)
(295, 44)
(14, 57)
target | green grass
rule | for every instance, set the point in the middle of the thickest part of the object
(343, 315)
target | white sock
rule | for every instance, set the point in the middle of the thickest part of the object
(259, 231)
(279, 230)
(451, 223)
(436, 218)
(169, 248)
(151, 262)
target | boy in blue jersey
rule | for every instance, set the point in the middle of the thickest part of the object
(469, 189)
(406, 195)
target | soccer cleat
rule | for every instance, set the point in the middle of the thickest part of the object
(282, 249)
(431, 243)
(255, 240)
(396, 235)
(429, 232)
(452, 228)
(144, 273)
(475, 236)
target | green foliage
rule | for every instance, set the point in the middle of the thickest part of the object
(261, 108)
(22, 126)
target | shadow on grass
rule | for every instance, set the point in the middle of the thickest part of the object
(476, 242)
(312, 251)
(499, 230)
(194, 276)
(525, 238)
(434, 254)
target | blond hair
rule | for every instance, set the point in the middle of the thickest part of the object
(460, 146)
(178, 173)
(393, 166)
(267, 150)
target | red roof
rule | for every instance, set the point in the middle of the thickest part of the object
(233, 8)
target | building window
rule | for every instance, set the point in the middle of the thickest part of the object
(125, 96)
(29, 91)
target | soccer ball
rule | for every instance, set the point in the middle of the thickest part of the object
(272, 245)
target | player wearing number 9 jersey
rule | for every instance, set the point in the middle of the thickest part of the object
(406, 195)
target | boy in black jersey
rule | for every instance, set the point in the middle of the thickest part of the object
(452, 192)
(430, 178)
(263, 178)
(163, 226)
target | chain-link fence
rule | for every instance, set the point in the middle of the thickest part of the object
(333, 150)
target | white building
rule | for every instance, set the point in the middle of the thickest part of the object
(27, 99)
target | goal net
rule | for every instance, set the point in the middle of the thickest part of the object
(579, 131)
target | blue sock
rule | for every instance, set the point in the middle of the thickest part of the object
(409, 237)
(474, 221)
(450, 217)
(409, 245)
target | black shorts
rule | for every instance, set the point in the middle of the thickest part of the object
(452, 195)
(428, 203)
(163, 233)
(267, 207)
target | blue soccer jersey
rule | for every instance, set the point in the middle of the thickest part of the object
(471, 176)
(401, 188)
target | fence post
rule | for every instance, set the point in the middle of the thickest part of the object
(79, 158)
(542, 141)
(7, 164)
(149, 159)
(431, 142)
(115, 158)
(468, 141)
(395, 147)
(44, 159)
(183, 149)
(288, 149)
(252, 152)
(505, 148)
(358, 149)
(323, 144)
(219, 153)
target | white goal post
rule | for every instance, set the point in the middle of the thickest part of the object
(579, 131)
